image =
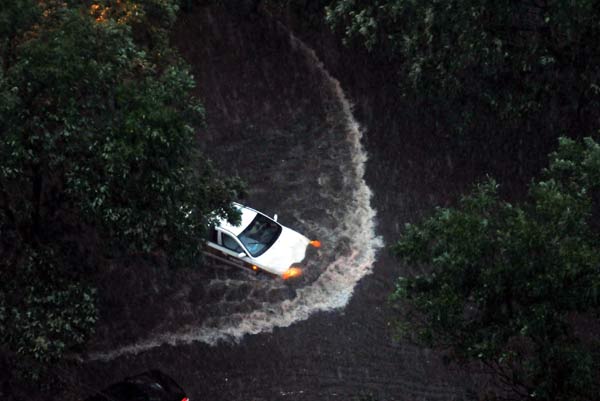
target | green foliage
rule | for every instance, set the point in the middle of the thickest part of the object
(506, 281)
(99, 156)
(484, 67)
(302, 8)
(43, 312)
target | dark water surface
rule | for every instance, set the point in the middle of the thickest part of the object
(279, 119)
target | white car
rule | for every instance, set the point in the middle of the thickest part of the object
(258, 243)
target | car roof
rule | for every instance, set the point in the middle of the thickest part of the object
(151, 385)
(246, 216)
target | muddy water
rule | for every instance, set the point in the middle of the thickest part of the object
(281, 121)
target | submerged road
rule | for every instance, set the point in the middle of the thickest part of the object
(282, 122)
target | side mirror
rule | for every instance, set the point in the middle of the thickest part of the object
(275, 217)
(241, 254)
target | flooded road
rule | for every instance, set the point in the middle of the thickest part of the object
(308, 166)
(277, 118)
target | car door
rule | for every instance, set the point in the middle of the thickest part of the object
(231, 247)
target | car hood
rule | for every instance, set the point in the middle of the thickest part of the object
(289, 248)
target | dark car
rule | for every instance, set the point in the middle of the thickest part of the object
(153, 385)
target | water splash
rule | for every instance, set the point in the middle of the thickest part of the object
(335, 285)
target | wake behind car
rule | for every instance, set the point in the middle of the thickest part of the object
(259, 243)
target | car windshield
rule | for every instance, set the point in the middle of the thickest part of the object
(260, 235)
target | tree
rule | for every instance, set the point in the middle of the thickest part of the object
(509, 284)
(99, 157)
(490, 72)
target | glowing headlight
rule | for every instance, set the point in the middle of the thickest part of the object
(292, 272)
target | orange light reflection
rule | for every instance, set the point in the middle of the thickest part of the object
(315, 243)
(292, 272)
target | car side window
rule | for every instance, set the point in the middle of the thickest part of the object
(230, 243)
